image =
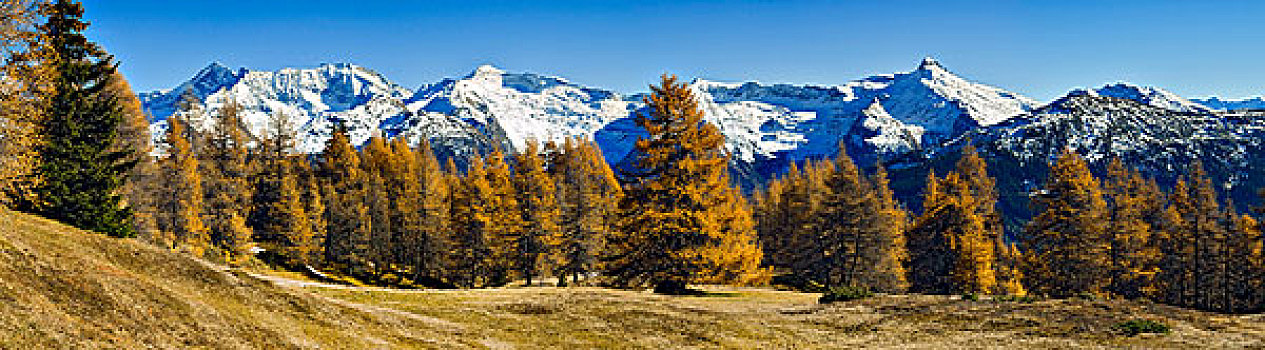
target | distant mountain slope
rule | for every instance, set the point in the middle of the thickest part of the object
(1159, 142)
(918, 114)
(65, 288)
(1151, 96)
(1255, 103)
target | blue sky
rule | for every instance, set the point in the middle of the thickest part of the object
(1038, 48)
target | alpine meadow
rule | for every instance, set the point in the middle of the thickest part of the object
(324, 205)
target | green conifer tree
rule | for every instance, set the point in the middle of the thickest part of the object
(82, 163)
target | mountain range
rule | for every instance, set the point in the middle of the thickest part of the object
(910, 120)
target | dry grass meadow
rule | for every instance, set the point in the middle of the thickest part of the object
(61, 288)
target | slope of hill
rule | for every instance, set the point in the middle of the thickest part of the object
(64, 288)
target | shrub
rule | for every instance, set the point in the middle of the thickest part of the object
(848, 293)
(970, 296)
(1024, 299)
(1086, 296)
(1135, 327)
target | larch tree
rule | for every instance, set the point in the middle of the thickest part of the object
(435, 196)
(736, 257)
(292, 225)
(1067, 248)
(856, 246)
(892, 223)
(953, 244)
(181, 200)
(471, 253)
(227, 182)
(24, 98)
(1133, 257)
(405, 188)
(379, 165)
(930, 259)
(1174, 282)
(134, 137)
(1205, 220)
(314, 206)
(280, 217)
(588, 194)
(538, 208)
(505, 225)
(971, 241)
(677, 177)
(270, 161)
(348, 224)
(83, 165)
(983, 191)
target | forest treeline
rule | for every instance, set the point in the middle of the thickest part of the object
(1120, 235)
(77, 149)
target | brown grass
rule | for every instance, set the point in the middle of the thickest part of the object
(761, 318)
(61, 288)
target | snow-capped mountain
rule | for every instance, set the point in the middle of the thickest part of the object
(878, 117)
(766, 126)
(209, 80)
(514, 108)
(1160, 142)
(1255, 103)
(312, 99)
(1147, 95)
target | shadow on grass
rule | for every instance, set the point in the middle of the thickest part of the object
(719, 295)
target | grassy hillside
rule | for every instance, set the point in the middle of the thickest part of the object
(62, 288)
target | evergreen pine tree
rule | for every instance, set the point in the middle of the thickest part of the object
(82, 163)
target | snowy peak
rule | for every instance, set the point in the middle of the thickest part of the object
(215, 75)
(1152, 96)
(888, 136)
(931, 67)
(948, 104)
(486, 74)
(929, 63)
(209, 80)
(515, 107)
